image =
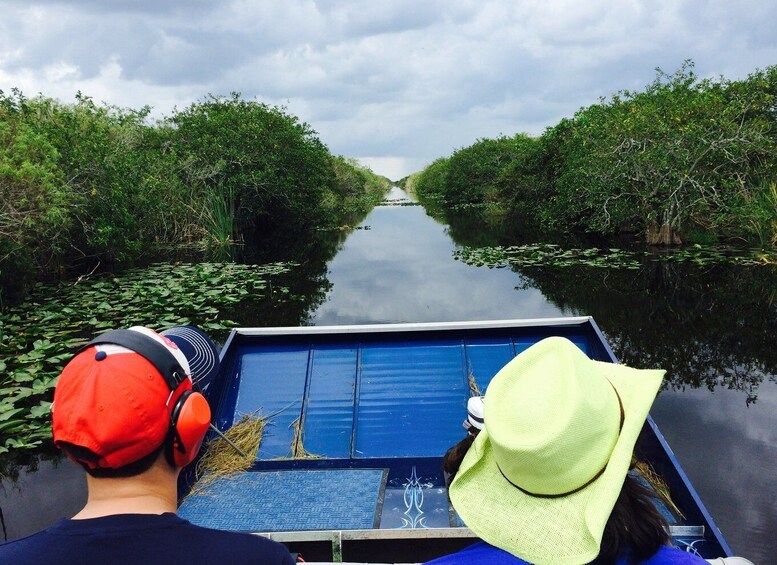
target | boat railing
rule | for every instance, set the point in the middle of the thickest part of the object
(387, 545)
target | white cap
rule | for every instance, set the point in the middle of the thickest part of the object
(474, 413)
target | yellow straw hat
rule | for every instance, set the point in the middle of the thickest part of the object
(543, 476)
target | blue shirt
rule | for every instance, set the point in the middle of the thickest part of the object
(125, 539)
(482, 552)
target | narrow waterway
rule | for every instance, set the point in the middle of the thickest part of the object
(399, 267)
(713, 328)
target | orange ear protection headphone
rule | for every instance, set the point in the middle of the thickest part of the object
(190, 415)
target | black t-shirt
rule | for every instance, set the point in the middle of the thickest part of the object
(141, 538)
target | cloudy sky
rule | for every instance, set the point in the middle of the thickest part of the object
(394, 83)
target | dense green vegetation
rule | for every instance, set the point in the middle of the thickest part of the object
(84, 185)
(686, 160)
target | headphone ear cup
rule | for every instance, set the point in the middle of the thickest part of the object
(188, 424)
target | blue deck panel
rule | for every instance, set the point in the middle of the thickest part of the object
(329, 406)
(272, 382)
(276, 501)
(486, 356)
(411, 398)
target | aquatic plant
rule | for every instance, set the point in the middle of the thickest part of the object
(38, 336)
(219, 222)
(553, 255)
(545, 254)
(398, 202)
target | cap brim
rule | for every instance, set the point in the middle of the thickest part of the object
(563, 530)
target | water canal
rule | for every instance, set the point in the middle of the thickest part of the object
(713, 327)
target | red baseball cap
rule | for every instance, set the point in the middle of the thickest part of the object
(115, 402)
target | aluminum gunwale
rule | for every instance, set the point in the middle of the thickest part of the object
(416, 326)
(415, 533)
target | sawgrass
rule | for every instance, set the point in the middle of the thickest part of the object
(298, 450)
(221, 459)
(474, 389)
(658, 483)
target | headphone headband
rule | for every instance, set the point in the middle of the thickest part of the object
(156, 353)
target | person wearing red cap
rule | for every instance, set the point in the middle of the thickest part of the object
(125, 409)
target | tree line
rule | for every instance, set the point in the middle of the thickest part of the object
(685, 160)
(84, 184)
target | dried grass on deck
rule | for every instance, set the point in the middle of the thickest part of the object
(220, 459)
(474, 389)
(658, 484)
(298, 450)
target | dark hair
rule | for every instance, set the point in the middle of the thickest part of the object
(452, 459)
(635, 529)
(83, 456)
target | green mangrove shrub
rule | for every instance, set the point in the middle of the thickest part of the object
(687, 159)
(473, 171)
(34, 197)
(431, 183)
(80, 184)
(356, 190)
(269, 167)
(86, 186)
(679, 154)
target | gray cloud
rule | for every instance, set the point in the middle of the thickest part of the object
(117, 7)
(402, 80)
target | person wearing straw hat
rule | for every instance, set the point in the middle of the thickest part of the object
(546, 480)
(126, 409)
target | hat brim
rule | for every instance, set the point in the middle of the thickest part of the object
(563, 530)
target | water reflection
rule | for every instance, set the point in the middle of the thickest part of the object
(36, 495)
(708, 327)
(729, 451)
(401, 270)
